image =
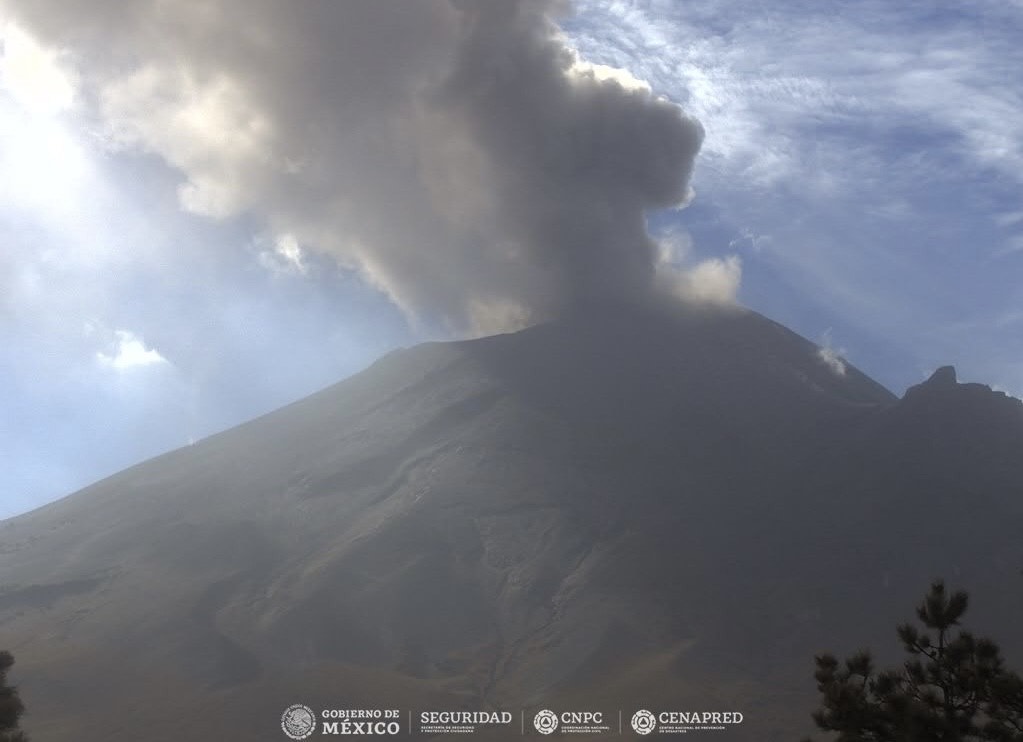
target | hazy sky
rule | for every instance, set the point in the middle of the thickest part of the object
(211, 208)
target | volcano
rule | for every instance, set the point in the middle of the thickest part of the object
(630, 509)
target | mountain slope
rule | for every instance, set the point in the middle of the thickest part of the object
(629, 509)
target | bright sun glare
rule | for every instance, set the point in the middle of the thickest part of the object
(44, 165)
(31, 74)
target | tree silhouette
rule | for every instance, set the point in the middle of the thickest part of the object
(953, 687)
(11, 707)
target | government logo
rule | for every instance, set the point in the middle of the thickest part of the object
(643, 722)
(545, 721)
(298, 721)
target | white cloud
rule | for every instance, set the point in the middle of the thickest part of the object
(715, 280)
(710, 281)
(129, 352)
(207, 126)
(285, 257)
(602, 72)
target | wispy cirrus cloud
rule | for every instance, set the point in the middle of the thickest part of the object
(762, 76)
(879, 145)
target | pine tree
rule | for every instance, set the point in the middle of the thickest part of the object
(953, 687)
(11, 707)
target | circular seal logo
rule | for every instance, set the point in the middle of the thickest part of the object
(643, 722)
(298, 721)
(545, 721)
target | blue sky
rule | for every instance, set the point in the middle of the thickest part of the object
(862, 163)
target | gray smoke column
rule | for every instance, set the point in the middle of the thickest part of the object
(575, 159)
(458, 155)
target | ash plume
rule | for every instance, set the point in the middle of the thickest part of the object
(458, 156)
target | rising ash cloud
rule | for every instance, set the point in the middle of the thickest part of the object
(458, 155)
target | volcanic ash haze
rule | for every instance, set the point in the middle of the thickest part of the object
(614, 511)
(458, 155)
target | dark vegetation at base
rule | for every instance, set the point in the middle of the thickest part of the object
(953, 687)
(11, 707)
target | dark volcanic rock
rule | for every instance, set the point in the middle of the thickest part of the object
(637, 509)
(943, 378)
